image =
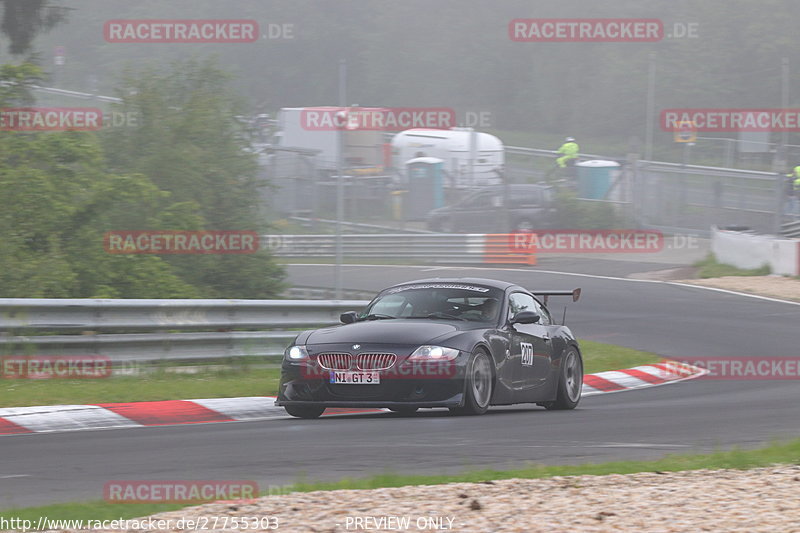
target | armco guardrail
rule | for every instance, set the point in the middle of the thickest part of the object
(468, 248)
(551, 154)
(59, 315)
(165, 329)
(355, 227)
(791, 229)
(76, 94)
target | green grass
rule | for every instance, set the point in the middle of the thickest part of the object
(234, 380)
(598, 357)
(159, 385)
(776, 453)
(710, 268)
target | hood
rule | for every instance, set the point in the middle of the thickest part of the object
(397, 331)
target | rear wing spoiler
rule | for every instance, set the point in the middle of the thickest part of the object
(575, 293)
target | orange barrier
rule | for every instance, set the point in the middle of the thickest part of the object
(509, 248)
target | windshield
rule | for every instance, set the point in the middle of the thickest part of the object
(446, 301)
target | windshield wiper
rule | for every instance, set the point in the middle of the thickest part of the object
(377, 316)
(439, 314)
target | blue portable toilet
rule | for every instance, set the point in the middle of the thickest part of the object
(595, 178)
(425, 186)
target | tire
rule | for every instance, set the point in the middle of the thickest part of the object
(479, 385)
(304, 411)
(404, 410)
(570, 381)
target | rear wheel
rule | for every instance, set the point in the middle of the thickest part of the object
(570, 381)
(478, 387)
(304, 411)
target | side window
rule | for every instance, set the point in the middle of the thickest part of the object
(519, 301)
(467, 201)
(389, 305)
(526, 198)
(540, 310)
(482, 201)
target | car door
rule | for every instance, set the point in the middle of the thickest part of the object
(460, 212)
(526, 208)
(479, 212)
(530, 349)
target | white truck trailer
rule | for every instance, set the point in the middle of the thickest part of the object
(311, 128)
(471, 158)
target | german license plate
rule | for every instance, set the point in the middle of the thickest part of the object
(356, 378)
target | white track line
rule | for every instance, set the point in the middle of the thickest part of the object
(577, 274)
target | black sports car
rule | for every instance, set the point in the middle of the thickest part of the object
(463, 343)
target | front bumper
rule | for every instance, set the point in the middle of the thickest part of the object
(417, 385)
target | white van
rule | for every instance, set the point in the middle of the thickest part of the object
(457, 147)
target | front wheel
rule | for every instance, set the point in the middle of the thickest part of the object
(570, 381)
(479, 384)
(304, 411)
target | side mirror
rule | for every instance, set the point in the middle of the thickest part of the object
(348, 317)
(525, 317)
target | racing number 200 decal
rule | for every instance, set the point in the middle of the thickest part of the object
(527, 353)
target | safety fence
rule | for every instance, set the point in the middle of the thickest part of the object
(791, 229)
(153, 330)
(673, 197)
(469, 248)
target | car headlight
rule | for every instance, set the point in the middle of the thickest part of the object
(297, 353)
(433, 353)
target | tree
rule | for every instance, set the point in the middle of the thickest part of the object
(24, 19)
(57, 202)
(60, 199)
(188, 142)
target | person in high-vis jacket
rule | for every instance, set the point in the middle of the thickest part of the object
(793, 192)
(568, 151)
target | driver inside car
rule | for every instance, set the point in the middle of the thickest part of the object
(489, 309)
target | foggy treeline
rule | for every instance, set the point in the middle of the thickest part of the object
(457, 53)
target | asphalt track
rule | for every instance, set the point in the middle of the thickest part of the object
(672, 320)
